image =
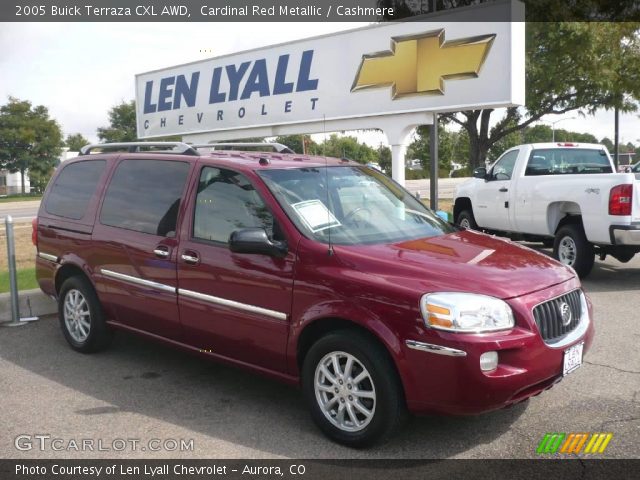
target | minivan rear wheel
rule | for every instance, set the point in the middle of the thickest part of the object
(81, 316)
(352, 389)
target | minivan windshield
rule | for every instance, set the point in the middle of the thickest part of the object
(360, 205)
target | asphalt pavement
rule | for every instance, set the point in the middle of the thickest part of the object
(141, 390)
(20, 211)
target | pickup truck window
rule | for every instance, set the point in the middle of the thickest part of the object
(503, 168)
(563, 161)
(361, 206)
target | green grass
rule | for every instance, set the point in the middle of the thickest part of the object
(20, 198)
(26, 280)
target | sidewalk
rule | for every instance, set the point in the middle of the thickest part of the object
(33, 303)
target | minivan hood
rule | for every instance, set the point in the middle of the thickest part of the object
(464, 261)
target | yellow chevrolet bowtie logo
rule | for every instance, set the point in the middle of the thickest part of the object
(419, 64)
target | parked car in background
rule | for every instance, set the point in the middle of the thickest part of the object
(562, 194)
(317, 272)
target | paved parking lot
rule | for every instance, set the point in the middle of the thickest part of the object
(140, 390)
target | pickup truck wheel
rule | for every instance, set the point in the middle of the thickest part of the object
(572, 248)
(81, 316)
(352, 389)
(467, 220)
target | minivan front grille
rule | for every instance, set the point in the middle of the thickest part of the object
(559, 316)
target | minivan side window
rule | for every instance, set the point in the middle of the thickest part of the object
(503, 168)
(73, 189)
(144, 196)
(226, 201)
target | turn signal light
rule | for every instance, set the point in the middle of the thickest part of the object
(620, 199)
(438, 316)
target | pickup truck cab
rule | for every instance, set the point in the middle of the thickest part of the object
(318, 272)
(562, 194)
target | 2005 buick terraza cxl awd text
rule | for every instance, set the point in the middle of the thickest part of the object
(319, 272)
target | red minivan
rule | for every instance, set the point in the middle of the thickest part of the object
(318, 272)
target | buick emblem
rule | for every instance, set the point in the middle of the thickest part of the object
(565, 313)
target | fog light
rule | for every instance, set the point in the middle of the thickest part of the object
(488, 361)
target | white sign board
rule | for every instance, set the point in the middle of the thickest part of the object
(389, 68)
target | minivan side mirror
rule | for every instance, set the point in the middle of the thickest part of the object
(480, 172)
(256, 240)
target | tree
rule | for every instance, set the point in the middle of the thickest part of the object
(570, 66)
(607, 142)
(537, 134)
(122, 124)
(29, 139)
(344, 147)
(384, 158)
(75, 142)
(294, 142)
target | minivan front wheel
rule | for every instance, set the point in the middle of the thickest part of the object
(352, 389)
(81, 316)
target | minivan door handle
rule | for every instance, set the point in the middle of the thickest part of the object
(161, 251)
(191, 257)
(504, 189)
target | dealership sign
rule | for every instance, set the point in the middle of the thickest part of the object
(385, 69)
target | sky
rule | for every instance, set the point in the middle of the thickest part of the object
(80, 70)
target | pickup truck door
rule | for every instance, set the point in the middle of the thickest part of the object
(493, 195)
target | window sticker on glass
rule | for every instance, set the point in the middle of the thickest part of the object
(316, 215)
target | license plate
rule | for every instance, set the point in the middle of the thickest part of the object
(572, 358)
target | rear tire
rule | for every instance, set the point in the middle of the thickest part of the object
(81, 316)
(467, 220)
(572, 248)
(361, 403)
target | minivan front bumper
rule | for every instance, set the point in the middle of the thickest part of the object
(445, 376)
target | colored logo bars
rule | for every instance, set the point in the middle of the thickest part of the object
(574, 443)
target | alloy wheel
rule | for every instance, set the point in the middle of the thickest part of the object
(345, 391)
(77, 316)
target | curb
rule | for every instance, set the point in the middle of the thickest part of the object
(33, 303)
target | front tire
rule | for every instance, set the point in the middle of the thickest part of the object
(572, 248)
(466, 220)
(81, 316)
(352, 389)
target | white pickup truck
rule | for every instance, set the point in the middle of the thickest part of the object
(561, 194)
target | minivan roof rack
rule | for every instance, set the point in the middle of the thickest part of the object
(133, 147)
(278, 147)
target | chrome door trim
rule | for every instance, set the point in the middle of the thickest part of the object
(138, 281)
(48, 256)
(439, 349)
(232, 304)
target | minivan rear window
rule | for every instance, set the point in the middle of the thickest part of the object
(144, 196)
(73, 188)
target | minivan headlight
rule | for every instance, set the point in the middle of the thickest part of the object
(465, 312)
